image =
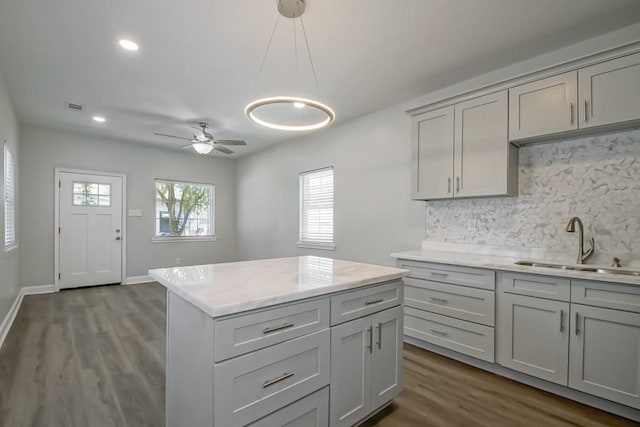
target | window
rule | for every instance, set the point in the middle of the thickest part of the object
(9, 199)
(184, 210)
(91, 194)
(316, 209)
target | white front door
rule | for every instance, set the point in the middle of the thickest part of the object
(90, 228)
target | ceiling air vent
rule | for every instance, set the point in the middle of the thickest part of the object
(74, 107)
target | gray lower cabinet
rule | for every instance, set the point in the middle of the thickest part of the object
(605, 353)
(533, 336)
(366, 365)
(310, 411)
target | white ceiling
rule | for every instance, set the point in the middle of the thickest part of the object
(199, 59)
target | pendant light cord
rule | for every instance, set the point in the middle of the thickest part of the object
(264, 58)
(306, 41)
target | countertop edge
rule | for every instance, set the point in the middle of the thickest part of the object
(233, 309)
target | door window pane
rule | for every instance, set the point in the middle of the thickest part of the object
(91, 194)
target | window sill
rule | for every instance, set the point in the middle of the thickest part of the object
(184, 239)
(8, 250)
(317, 245)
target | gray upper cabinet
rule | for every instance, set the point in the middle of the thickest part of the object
(464, 151)
(610, 92)
(433, 154)
(544, 107)
(485, 164)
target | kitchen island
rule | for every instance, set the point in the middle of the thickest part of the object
(300, 341)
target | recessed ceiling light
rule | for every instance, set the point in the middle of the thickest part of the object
(128, 44)
(99, 119)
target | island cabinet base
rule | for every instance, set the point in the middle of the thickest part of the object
(286, 364)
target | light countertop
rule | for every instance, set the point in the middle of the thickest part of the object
(228, 288)
(506, 263)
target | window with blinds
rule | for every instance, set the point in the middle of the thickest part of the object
(316, 208)
(9, 199)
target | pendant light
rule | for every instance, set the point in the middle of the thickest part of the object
(292, 113)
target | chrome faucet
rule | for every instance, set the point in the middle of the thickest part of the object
(582, 255)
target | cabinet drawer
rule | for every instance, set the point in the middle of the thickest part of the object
(458, 335)
(310, 411)
(534, 285)
(354, 304)
(256, 330)
(461, 302)
(254, 385)
(465, 276)
(604, 294)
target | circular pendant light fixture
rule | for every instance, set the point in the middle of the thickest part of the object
(284, 112)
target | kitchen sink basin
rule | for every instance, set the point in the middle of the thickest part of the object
(585, 268)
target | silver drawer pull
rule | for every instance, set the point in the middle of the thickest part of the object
(439, 299)
(375, 301)
(439, 332)
(270, 329)
(277, 380)
(435, 273)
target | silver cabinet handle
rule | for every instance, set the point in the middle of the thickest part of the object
(586, 110)
(439, 299)
(457, 184)
(561, 320)
(271, 329)
(577, 323)
(436, 273)
(379, 336)
(375, 301)
(370, 346)
(439, 332)
(277, 380)
(571, 112)
(449, 185)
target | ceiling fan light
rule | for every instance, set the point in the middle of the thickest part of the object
(202, 147)
(299, 104)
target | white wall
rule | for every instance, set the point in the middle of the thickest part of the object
(42, 150)
(9, 262)
(374, 213)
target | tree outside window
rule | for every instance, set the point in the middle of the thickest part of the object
(184, 209)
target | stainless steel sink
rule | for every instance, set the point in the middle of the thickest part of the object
(585, 268)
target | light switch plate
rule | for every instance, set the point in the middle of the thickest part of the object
(135, 212)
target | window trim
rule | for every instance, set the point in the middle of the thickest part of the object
(13, 245)
(183, 239)
(314, 244)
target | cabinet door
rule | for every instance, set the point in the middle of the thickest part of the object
(351, 347)
(605, 353)
(386, 362)
(543, 107)
(482, 151)
(610, 92)
(433, 154)
(533, 336)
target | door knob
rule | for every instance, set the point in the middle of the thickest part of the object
(117, 230)
(118, 238)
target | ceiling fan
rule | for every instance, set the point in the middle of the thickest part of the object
(203, 142)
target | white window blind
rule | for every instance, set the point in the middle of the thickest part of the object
(316, 207)
(9, 199)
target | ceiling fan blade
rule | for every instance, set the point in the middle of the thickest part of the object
(222, 149)
(172, 136)
(230, 142)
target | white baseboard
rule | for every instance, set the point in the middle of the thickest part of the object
(5, 326)
(134, 280)
(36, 290)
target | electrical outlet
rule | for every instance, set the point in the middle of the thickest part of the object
(472, 224)
(178, 261)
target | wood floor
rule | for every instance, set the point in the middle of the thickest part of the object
(95, 357)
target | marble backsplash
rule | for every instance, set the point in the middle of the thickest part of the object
(596, 178)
